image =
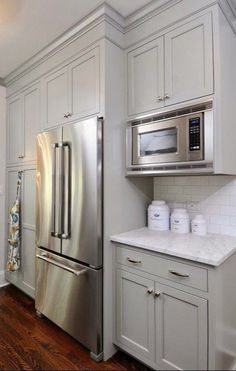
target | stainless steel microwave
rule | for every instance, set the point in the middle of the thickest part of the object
(179, 142)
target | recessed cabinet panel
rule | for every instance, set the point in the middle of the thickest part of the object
(15, 130)
(135, 313)
(189, 61)
(55, 98)
(181, 330)
(84, 85)
(146, 77)
(29, 198)
(28, 258)
(31, 121)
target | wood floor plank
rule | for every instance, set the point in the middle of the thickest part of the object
(30, 343)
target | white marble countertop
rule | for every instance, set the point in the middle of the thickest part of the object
(212, 249)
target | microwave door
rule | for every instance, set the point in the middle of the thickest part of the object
(160, 142)
(48, 190)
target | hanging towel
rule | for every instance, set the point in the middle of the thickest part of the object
(14, 228)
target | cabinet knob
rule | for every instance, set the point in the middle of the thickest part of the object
(166, 96)
(157, 294)
(66, 115)
(149, 291)
(21, 156)
(160, 98)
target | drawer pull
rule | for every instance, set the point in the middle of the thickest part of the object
(149, 291)
(134, 261)
(184, 275)
(157, 294)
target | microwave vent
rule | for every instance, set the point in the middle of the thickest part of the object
(171, 169)
(172, 114)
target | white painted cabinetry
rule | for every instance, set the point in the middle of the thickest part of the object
(136, 313)
(181, 329)
(72, 92)
(175, 67)
(160, 320)
(146, 77)
(23, 125)
(54, 98)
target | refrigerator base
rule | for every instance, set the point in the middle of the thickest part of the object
(96, 357)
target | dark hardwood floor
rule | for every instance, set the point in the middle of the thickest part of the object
(30, 343)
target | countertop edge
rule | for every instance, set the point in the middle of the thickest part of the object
(212, 263)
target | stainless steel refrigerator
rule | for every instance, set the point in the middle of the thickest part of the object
(69, 230)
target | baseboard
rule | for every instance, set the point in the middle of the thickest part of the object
(3, 282)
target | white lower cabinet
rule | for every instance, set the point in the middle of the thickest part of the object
(163, 326)
(181, 329)
(136, 313)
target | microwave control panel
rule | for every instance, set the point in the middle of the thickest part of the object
(194, 134)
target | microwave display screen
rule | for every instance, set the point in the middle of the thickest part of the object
(194, 134)
(158, 142)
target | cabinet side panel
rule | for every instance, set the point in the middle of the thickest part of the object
(125, 200)
(225, 82)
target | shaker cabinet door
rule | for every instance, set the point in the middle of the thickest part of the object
(84, 76)
(55, 98)
(31, 112)
(135, 314)
(189, 61)
(15, 127)
(181, 330)
(146, 77)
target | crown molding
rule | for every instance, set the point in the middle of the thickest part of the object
(147, 12)
(104, 13)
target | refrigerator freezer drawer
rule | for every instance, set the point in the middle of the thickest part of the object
(70, 295)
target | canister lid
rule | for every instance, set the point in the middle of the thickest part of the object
(158, 202)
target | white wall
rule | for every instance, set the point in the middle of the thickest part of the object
(2, 179)
(213, 196)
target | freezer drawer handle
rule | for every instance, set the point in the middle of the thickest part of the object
(63, 266)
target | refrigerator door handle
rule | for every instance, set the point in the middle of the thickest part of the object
(66, 220)
(60, 265)
(61, 187)
(54, 160)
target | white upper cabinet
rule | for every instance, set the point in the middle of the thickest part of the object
(189, 61)
(84, 85)
(73, 91)
(23, 125)
(146, 77)
(31, 113)
(174, 68)
(15, 127)
(55, 99)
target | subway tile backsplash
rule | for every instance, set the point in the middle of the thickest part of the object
(213, 196)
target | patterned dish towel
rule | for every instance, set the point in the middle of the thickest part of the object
(14, 227)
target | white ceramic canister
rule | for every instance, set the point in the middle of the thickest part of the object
(199, 226)
(180, 222)
(158, 216)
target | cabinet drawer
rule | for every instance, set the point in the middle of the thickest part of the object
(181, 273)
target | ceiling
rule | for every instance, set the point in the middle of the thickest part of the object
(27, 26)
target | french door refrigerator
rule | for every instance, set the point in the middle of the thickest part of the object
(69, 230)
